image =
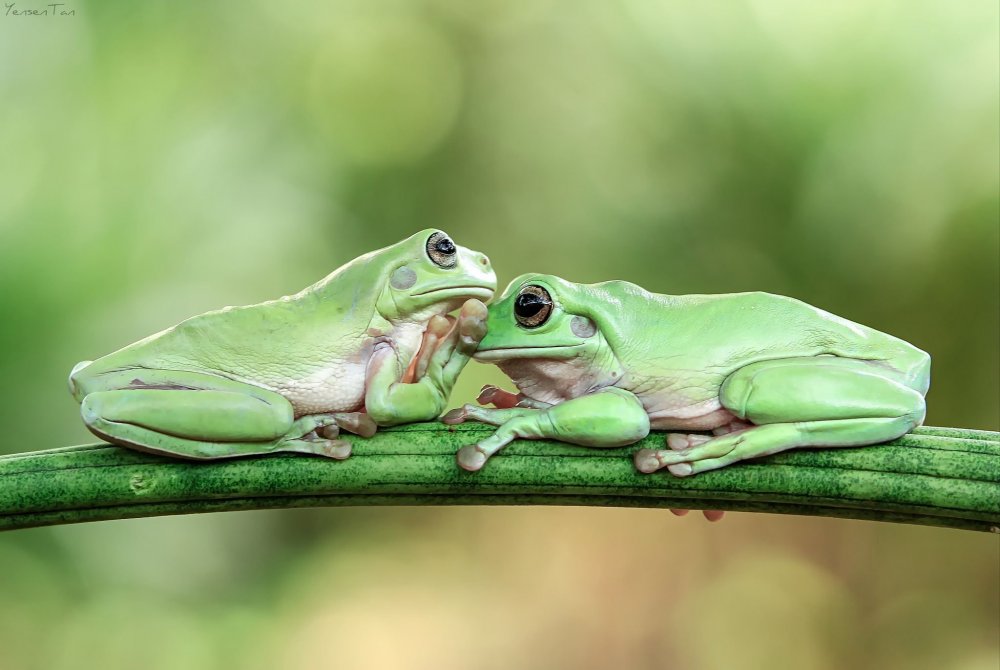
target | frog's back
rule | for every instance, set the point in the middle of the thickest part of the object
(313, 334)
(721, 333)
(312, 347)
(793, 326)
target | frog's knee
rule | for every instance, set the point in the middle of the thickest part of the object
(901, 403)
(734, 394)
(920, 373)
(914, 414)
(283, 416)
(90, 410)
(76, 380)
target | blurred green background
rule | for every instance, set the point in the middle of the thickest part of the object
(160, 159)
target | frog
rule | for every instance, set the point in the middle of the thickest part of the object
(730, 377)
(372, 344)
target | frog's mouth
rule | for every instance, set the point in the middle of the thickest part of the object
(479, 291)
(505, 353)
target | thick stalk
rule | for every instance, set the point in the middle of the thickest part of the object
(936, 476)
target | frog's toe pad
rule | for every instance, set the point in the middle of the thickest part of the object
(336, 449)
(680, 441)
(455, 416)
(358, 423)
(646, 460)
(712, 515)
(472, 323)
(488, 394)
(681, 469)
(330, 432)
(470, 458)
(651, 460)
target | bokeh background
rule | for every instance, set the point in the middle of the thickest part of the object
(160, 159)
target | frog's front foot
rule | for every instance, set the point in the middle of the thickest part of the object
(496, 396)
(469, 412)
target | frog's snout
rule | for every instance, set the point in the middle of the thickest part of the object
(483, 268)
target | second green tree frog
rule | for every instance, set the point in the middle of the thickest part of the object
(367, 346)
(601, 364)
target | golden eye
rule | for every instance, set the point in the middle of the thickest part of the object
(532, 306)
(442, 250)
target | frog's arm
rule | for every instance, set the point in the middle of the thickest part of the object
(390, 401)
(611, 417)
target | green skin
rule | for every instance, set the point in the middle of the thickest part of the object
(367, 346)
(763, 372)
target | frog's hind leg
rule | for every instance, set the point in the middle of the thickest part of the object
(804, 402)
(199, 416)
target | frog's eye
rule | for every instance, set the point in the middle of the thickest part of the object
(441, 250)
(532, 306)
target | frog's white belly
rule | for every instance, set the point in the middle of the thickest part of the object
(339, 384)
(672, 404)
(552, 381)
(671, 407)
(704, 415)
(338, 387)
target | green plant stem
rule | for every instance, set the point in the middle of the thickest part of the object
(935, 476)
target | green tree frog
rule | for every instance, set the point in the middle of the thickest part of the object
(369, 345)
(601, 364)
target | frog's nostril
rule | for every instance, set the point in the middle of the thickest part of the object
(484, 261)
